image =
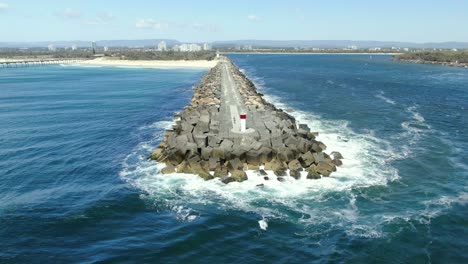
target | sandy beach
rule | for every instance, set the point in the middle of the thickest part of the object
(204, 64)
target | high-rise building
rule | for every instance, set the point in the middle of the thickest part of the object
(206, 46)
(51, 47)
(106, 48)
(190, 47)
(94, 47)
(162, 46)
(74, 47)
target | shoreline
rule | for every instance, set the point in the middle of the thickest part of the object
(450, 64)
(156, 64)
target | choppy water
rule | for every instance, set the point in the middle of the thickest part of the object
(75, 185)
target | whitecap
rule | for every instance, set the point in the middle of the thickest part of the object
(384, 98)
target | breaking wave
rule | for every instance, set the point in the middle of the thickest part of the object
(308, 202)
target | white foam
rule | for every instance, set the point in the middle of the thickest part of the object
(385, 99)
(366, 163)
(263, 224)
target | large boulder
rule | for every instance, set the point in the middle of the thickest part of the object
(294, 165)
(325, 168)
(312, 173)
(319, 157)
(235, 164)
(168, 170)
(295, 174)
(336, 155)
(221, 172)
(280, 173)
(274, 164)
(239, 175)
(337, 162)
(157, 154)
(307, 159)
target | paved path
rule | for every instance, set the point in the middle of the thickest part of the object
(233, 104)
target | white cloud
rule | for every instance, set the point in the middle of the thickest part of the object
(100, 19)
(3, 6)
(149, 23)
(253, 17)
(68, 13)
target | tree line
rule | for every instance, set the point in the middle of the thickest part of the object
(436, 56)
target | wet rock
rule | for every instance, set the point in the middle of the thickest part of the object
(280, 173)
(262, 172)
(239, 175)
(221, 171)
(337, 162)
(307, 159)
(294, 165)
(336, 155)
(280, 179)
(227, 180)
(296, 174)
(235, 164)
(168, 170)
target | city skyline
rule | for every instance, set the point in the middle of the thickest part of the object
(208, 21)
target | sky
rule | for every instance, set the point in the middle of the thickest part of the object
(209, 20)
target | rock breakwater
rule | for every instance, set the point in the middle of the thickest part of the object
(202, 140)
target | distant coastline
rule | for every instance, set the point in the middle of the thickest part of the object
(160, 64)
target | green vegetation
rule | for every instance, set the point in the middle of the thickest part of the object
(123, 53)
(435, 56)
(162, 55)
(44, 54)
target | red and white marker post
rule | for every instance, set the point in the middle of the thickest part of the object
(243, 126)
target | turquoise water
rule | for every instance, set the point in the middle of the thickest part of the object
(76, 186)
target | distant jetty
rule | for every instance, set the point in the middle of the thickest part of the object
(229, 128)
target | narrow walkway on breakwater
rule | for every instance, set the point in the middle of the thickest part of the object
(207, 138)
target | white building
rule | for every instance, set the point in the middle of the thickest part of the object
(162, 46)
(106, 48)
(190, 47)
(51, 47)
(176, 48)
(207, 46)
(94, 46)
(73, 47)
(405, 49)
(353, 47)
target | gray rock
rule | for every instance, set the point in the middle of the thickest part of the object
(318, 157)
(239, 175)
(263, 172)
(307, 159)
(294, 165)
(221, 171)
(235, 164)
(168, 170)
(336, 155)
(295, 174)
(280, 173)
(227, 180)
(337, 162)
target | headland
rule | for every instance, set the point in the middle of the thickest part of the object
(229, 128)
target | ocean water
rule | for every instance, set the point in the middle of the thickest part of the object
(75, 184)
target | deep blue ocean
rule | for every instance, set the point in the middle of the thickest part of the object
(76, 187)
